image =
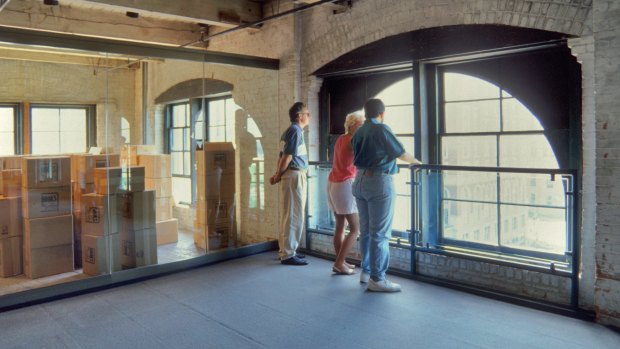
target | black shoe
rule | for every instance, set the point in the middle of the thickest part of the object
(294, 261)
(300, 255)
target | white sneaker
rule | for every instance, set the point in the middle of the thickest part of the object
(383, 286)
(364, 277)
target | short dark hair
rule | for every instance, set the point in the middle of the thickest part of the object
(373, 108)
(297, 108)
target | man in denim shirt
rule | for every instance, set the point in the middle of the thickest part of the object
(291, 171)
(375, 150)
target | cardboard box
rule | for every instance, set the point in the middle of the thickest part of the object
(83, 166)
(162, 186)
(137, 210)
(48, 232)
(46, 202)
(156, 166)
(163, 209)
(10, 217)
(77, 192)
(214, 186)
(138, 248)
(10, 256)
(129, 153)
(46, 172)
(100, 214)
(46, 261)
(113, 180)
(220, 236)
(167, 231)
(100, 251)
(215, 157)
(11, 162)
(11, 183)
(214, 211)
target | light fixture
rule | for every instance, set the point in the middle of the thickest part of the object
(50, 2)
(131, 14)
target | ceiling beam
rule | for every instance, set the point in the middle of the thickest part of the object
(225, 13)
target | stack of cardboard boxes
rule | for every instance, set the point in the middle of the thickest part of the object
(48, 221)
(83, 182)
(158, 177)
(11, 227)
(118, 221)
(215, 202)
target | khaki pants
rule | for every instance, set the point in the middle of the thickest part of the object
(292, 222)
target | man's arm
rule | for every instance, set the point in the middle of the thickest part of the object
(406, 157)
(281, 167)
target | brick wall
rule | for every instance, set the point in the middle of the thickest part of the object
(606, 28)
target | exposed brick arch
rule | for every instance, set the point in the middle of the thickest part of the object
(370, 21)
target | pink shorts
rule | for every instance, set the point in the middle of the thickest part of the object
(340, 197)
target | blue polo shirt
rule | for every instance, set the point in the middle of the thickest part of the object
(292, 142)
(376, 147)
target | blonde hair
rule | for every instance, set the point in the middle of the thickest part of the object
(351, 120)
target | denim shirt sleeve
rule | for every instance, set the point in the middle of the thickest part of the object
(291, 139)
(391, 144)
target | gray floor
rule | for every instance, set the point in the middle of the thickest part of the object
(257, 303)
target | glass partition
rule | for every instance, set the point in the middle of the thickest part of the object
(113, 162)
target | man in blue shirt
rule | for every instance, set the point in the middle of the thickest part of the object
(375, 150)
(291, 171)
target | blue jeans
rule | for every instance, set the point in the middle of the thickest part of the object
(375, 198)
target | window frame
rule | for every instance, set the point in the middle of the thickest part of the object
(91, 120)
(18, 126)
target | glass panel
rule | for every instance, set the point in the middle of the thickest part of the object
(73, 141)
(408, 144)
(187, 140)
(217, 134)
(199, 132)
(319, 215)
(72, 119)
(478, 116)
(177, 163)
(7, 135)
(45, 143)
(176, 141)
(532, 189)
(182, 189)
(45, 119)
(469, 151)
(187, 164)
(470, 221)
(517, 117)
(402, 182)
(7, 143)
(531, 151)
(217, 112)
(398, 93)
(469, 185)
(402, 213)
(400, 119)
(179, 115)
(534, 228)
(460, 87)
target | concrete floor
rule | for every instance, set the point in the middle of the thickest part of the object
(256, 302)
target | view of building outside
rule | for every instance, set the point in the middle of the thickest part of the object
(524, 211)
(57, 130)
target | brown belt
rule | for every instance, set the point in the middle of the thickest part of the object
(369, 172)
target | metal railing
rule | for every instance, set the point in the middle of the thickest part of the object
(533, 232)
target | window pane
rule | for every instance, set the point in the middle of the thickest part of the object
(398, 93)
(179, 115)
(176, 143)
(199, 132)
(217, 134)
(7, 135)
(468, 185)
(534, 228)
(469, 151)
(460, 87)
(532, 189)
(401, 182)
(182, 189)
(478, 116)
(217, 112)
(187, 141)
(516, 117)
(177, 163)
(7, 145)
(73, 120)
(72, 142)
(187, 164)
(468, 221)
(533, 151)
(400, 119)
(407, 143)
(402, 220)
(46, 143)
(45, 119)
